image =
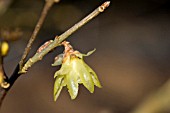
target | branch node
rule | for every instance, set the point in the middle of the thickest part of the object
(48, 5)
(5, 85)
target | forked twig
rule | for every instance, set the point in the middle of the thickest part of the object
(15, 75)
(46, 8)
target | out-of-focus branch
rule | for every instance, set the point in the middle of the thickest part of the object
(9, 82)
(48, 5)
(10, 34)
(4, 4)
(157, 102)
(3, 77)
(2, 91)
(50, 45)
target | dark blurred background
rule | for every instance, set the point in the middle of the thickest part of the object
(132, 57)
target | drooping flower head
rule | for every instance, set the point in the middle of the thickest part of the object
(73, 71)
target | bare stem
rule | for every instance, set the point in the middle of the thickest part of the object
(84, 21)
(58, 39)
(3, 77)
(3, 93)
(46, 8)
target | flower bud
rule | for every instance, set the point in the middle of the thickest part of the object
(4, 48)
(58, 60)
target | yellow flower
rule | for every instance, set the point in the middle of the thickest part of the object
(4, 48)
(74, 71)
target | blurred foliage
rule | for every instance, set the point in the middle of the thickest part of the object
(4, 4)
(10, 35)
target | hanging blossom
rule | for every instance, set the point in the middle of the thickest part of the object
(73, 71)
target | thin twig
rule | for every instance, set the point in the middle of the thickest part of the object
(58, 39)
(15, 75)
(46, 8)
(84, 21)
(3, 93)
(3, 77)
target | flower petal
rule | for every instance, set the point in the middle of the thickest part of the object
(87, 80)
(64, 70)
(80, 55)
(94, 76)
(72, 84)
(85, 76)
(58, 85)
(90, 52)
